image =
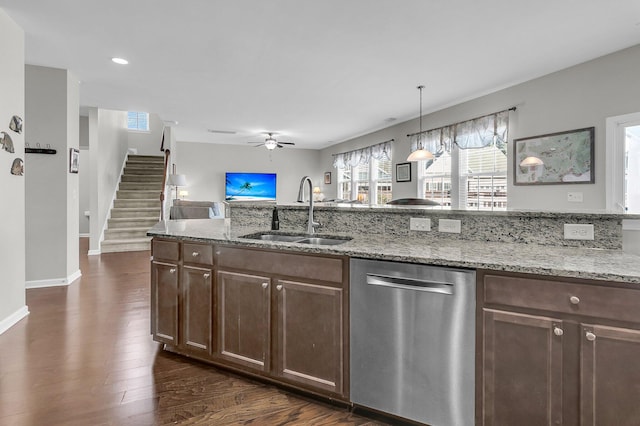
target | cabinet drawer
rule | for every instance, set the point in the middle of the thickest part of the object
(163, 249)
(600, 301)
(289, 264)
(197, 253)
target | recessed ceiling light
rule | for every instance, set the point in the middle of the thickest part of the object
(120, 61)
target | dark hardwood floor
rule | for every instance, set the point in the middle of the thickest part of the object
(84, 356)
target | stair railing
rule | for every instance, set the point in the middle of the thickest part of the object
(167, 154)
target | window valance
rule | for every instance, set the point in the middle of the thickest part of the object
(476, 133)
(380, 151)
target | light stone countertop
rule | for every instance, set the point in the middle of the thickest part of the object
(598, 264)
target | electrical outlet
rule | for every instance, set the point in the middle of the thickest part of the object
(449, 225)
(574, 197)
(574, 231)
(419, 224)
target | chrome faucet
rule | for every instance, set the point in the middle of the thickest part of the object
(311, 225)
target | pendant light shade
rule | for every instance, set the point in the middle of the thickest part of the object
(531, 162)
(420, 154)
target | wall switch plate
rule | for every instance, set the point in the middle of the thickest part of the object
(574, 197)
(419, 224)
(574, 231)
(449, 225)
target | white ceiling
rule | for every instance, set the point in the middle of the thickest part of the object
(317, 71)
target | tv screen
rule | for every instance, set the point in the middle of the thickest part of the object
(250, 186)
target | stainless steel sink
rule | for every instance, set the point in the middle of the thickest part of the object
(321, 241)
(299, 238)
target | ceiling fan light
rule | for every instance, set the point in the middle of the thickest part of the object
(271, 144)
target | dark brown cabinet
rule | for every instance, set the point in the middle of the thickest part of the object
(197, 299)
(164, 291)
(244, 319)
(181, 295)
(278, 315)
(310, 332)
(556, 351)
(283, 314)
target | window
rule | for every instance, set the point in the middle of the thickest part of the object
(469, 178)
(365, 175)
(138, 121)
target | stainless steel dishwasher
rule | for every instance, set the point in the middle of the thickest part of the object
(413, 341)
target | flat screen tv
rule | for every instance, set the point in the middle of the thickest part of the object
(250, 186)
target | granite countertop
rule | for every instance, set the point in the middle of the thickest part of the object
(598, 264)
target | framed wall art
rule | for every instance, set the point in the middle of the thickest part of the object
(327, 178)
(403, 172)
(74, 157)
(555, 158)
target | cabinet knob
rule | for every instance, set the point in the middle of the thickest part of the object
(558, 331)
(574, 300)
(590, 336)
(206, 275)
(265, 285)
(279, 287)
(195, 254)
(172, 270)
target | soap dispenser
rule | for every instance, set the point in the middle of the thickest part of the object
(275, 222)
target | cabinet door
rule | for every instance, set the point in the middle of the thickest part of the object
(522, 369)
(164, 302)
(610, 376)
(310, 336)
(197, 304)
(244, 319)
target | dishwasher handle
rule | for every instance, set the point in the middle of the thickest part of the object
(409, 284)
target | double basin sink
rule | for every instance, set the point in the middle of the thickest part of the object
(299, 238)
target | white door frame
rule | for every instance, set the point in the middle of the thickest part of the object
(615, 166)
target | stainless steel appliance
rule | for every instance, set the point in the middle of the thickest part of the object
(413, 341)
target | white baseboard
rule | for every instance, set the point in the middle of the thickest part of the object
(13, 319)
(94, 252)
(56, 282)
(71, 278)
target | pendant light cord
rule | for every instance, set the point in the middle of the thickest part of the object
(420, 135)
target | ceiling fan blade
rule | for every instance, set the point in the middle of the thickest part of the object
(256, 146)
(280, 146)
(286, 143)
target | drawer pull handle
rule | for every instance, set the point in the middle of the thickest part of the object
(590, 336)
(195, 254)
(574, 300)
(172, 270)
(265, 285)
(558, 331)
(279, 287)
(206, 275)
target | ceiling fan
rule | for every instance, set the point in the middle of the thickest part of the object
(271, 143)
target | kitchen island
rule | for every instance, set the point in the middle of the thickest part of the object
(557, 327)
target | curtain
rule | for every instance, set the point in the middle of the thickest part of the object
(479, 132)
(344, 160)
(476, 133)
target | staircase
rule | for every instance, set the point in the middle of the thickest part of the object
(137, 205)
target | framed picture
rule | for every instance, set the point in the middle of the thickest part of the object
(555, 158)
(327, 178)
(403, 172)
(74, 156)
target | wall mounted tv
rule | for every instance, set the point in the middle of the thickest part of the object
(250, 186)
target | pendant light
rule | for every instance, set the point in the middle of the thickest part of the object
(420, 153)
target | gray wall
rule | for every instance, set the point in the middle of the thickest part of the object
(108, 144)
(84, 177)
(12, 213)
(51, 191)
(580, 96)
(204, 166)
